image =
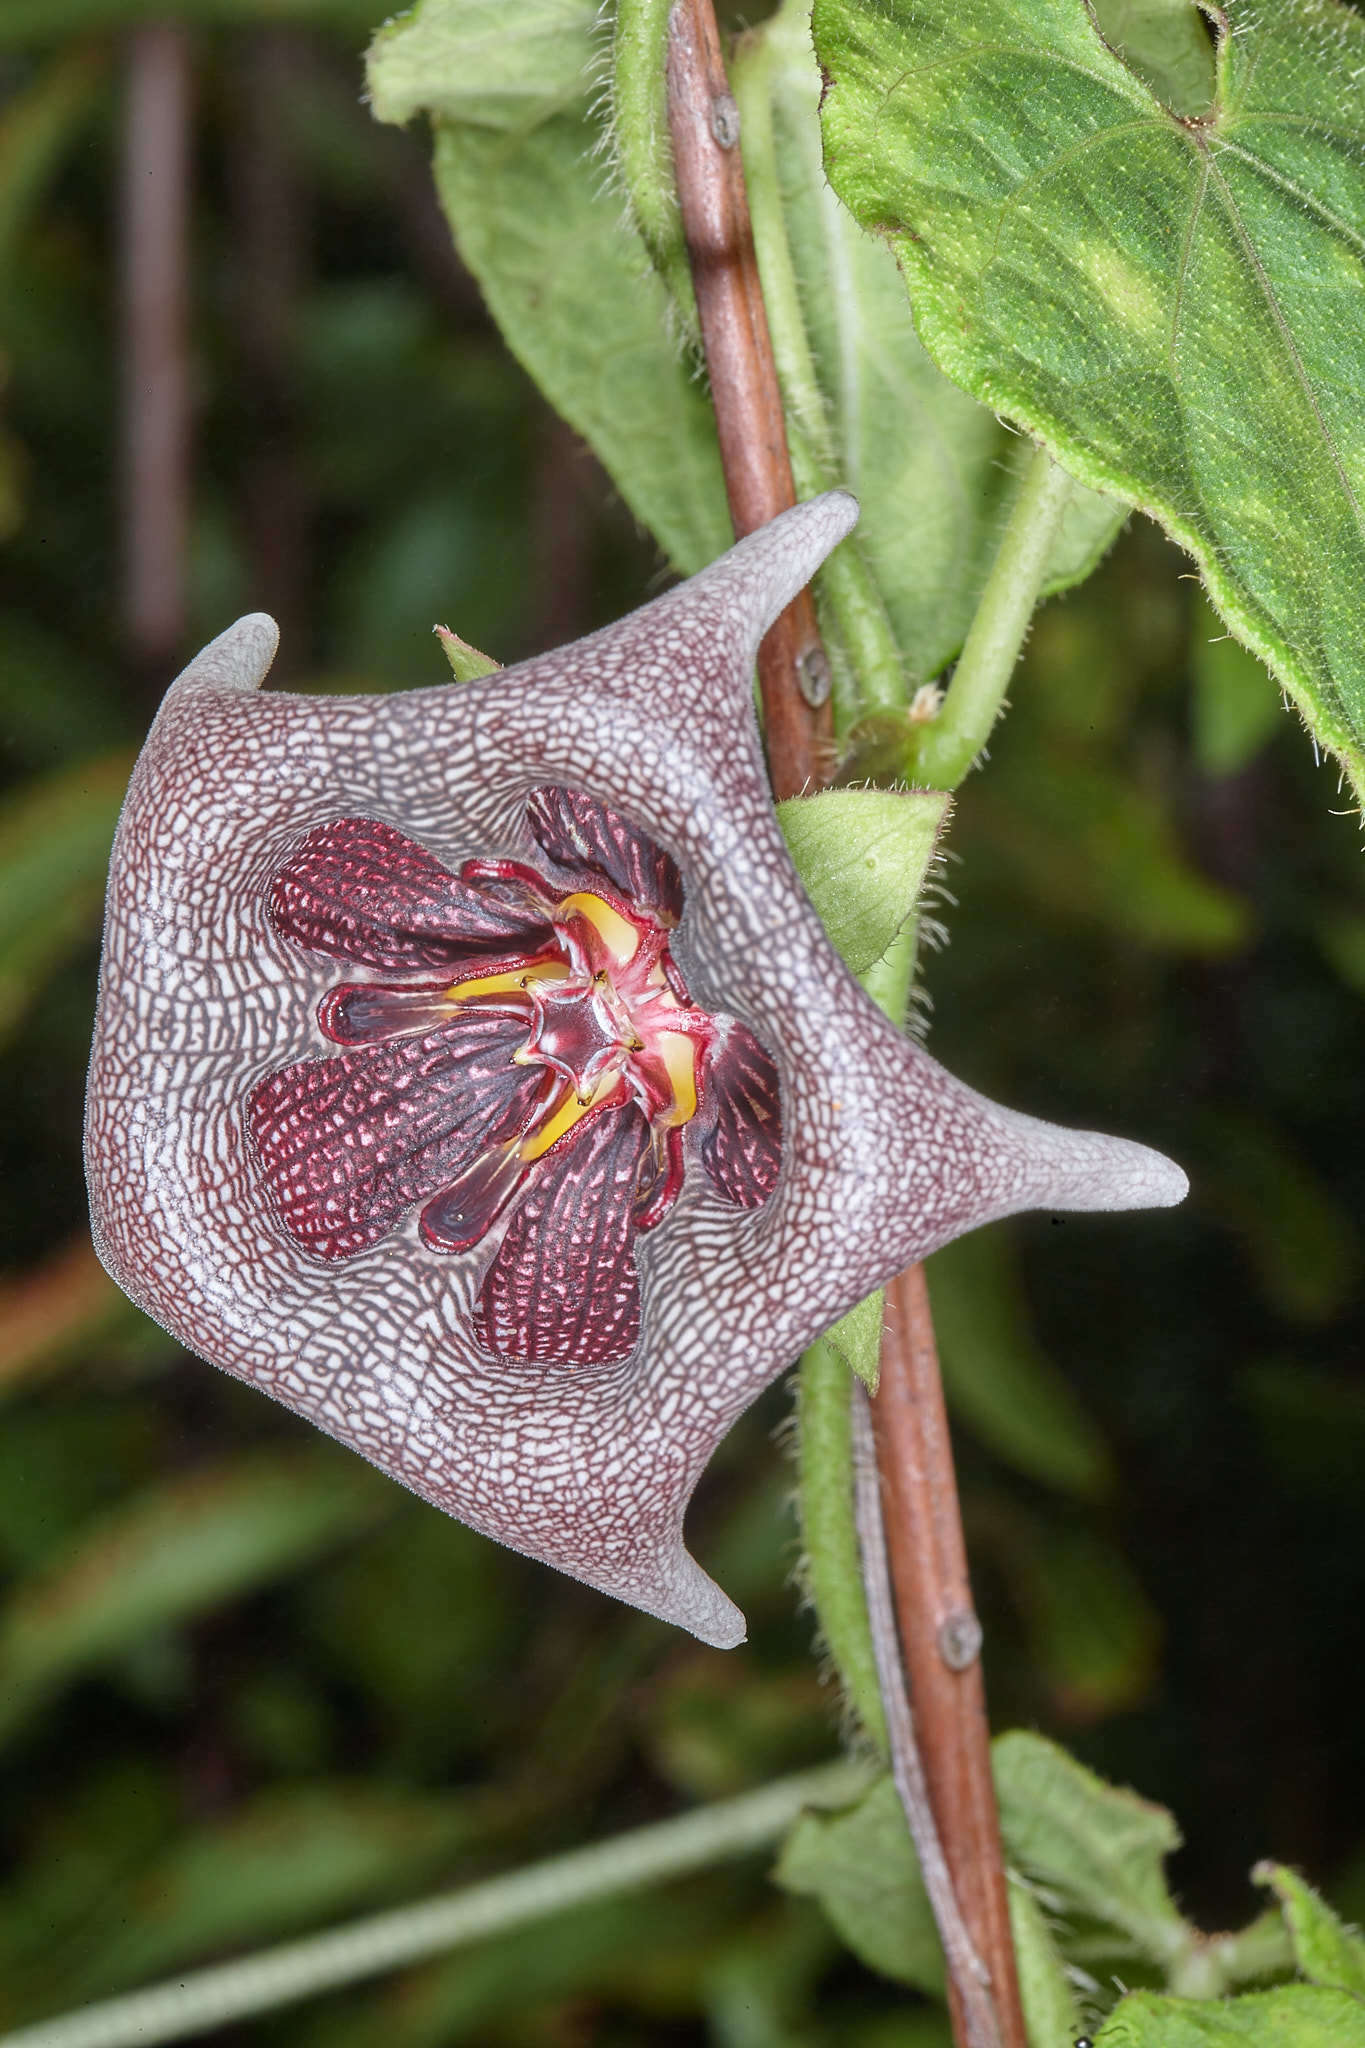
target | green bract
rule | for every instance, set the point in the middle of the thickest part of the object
(1172, 301)
(1295, 2016)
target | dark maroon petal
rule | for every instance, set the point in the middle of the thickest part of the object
(347, 1145)
(742, 1150)
(359, 890)
(562, 1289)
(465, 1212)
(364, 1012)
(578, 832)
(660, 1180)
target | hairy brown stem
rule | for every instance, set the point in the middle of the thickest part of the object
(793, 672)
(969, 1988)
(910, 1521)
(154, 341)
(941, 1637)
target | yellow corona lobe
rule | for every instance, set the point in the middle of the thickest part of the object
(679, 1056)
(513, 978)
(617, 933)
(571, 1111)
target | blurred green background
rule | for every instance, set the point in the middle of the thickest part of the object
(246, 1685)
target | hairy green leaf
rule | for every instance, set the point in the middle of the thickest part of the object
(862, 1867)
(935, 474)
(1295, 2016)
(1098, 1850)
(1050, 2014)
(1326, 1951)
(857, 1337)
(566, 278)
(863, 855)
(1174, 304)
(831, 1565)
(495, 66)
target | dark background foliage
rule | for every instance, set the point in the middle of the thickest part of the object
(246, 1685)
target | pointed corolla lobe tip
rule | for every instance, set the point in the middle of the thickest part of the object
(1122, 1174)
(1086, 1170)
(1162, 1184)
(239, 659)
(777, 561)
(705, 1612)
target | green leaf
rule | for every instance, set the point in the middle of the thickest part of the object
(1050, 2015)
(1311, 1426)
(466, 663)
(1325, 1950)
(1096, 1850)
(495, 66)
(831, 1564)
(1295, 2016)
(1168, 45)
(998, 1381)
(55, 837)
(863, 855)
(857, 1337)
(172, 1552)
(862, 1867)
(1175, 306)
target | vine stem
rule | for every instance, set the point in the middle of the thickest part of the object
(154, 321)
(941, 1643)
(703, 119)
(954, 1822)
(946, 745)
(974, 2014)
(205, 2000)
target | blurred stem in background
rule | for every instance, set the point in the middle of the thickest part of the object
(629, 1864)
(155, 341)
(269, 210)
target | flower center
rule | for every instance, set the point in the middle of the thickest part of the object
(609, 1019)
(526, 1058)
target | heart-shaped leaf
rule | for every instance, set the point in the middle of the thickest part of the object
(1175, 302)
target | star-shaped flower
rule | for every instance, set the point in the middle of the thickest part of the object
(589, 1132)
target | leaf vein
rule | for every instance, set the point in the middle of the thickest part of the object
(1286, 334)
(1350, 235)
